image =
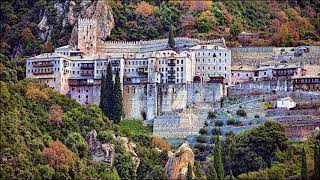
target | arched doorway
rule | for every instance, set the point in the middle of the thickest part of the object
(197, 79)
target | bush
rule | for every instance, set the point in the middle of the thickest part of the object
(203, 131)
(218, 123)
(241, 112)
(267, 105)
(211, 115)
(256, 116)
(216, 131)
(231, 122)
(106, 136)
(202, 139)
(160, 143)
(229, 133)
(133, 127)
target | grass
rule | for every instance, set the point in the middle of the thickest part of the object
(135, 127)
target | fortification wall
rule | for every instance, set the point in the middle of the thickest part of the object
(134, 101)
(152, 45)
(261, 87)
(158, 99)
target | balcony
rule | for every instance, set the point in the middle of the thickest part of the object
(84, 73)
(78, 82)
(142, 71)
(42, 64)
(43, 72)
(89, 66)
(171, 77)
(171, 64)
(115, 63)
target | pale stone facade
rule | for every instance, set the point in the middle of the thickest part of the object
(155, 79)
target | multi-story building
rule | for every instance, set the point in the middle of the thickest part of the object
(242, 74)
(77, 71)
(212, 61)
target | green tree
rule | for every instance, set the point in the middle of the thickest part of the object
(117, 105)
(199, 174)
(212, 173)
(316, 158)
(109, 174)
(189, 175)
(103, 93)
(218, 164)
(304, 166)
(108, 107)
(171, 41)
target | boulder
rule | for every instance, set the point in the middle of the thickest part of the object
(100, 152)
(177, 164)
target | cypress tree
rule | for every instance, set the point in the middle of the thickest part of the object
(103, 94)
(212, 174)
(304, 166)
(117, 105)
(198, 171)
(171, 40)
(109, 93)
(189, 175)
(218, 164)
(316, 159)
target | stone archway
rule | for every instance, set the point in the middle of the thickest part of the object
(197, 79)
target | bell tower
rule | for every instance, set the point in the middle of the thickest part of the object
(87, 35)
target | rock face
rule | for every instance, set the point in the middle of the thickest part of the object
(177, 164)
(100, 152)
(69, 11)
(99, 10)
(130, 147)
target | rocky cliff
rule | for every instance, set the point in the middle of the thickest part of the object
(67, 14)
(177, 164)
(100, 152)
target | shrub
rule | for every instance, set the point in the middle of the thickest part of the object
(202, 139)
(211, 115)
(218, 123)
(241, 112)
(106, 136)
(56, 114)
(229, 133)
(35, 93)
(133, 127)
(160, 143)
(256, 116)
(203, 131)
(267, 105)
(231, 122)
(216, 131)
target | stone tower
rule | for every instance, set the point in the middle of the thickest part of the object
(87, 35)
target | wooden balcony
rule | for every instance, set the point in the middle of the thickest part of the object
(171, 77)
(78, 82)
(171, 64)
(87, 66)
(43, 72)
(42, 64)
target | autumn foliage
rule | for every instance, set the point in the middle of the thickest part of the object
(56, 114)
(145, 8)
(161, 144)
(59, 156)
(35, 93)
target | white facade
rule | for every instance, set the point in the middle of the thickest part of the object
(286, 103)
(213, 61)
(77, 71)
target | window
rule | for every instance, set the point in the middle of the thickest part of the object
(178, 61)
(181, 68)
(181, 61)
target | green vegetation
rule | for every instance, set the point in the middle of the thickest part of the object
(43, 136)
(189, 175)
(171, 41)
(304, 165)
(218, 123)
(241, 112)
(218, 164)
(212, 115)
(134, 127)
(117, 99)
(203, 131)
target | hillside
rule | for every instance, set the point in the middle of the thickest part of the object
(29, 27)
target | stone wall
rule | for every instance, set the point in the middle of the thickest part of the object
(156, 99)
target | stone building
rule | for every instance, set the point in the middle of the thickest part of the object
(155, 79)
(242, 74)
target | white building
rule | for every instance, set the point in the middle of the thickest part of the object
(213, 61)
(77, 71)
(286, 103)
